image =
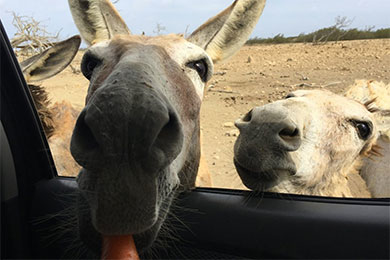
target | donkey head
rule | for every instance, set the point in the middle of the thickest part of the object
(137, 138)
(45, 65)
(306, 143)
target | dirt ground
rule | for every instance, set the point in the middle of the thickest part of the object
(257, 75)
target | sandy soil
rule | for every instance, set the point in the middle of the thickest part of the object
(257, 75)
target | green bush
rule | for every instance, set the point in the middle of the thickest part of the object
(325, 35)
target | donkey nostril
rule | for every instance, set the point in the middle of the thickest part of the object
(245, 121)
(248, 116)
(290, 137)
(169, 130)
(289, 132)
(84, 146)
(83, 136)
(170, 137)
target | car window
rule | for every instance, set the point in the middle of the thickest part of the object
(336, 46)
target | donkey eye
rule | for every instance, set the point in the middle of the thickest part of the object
(201, 67)
(363, 129)
(88, 64)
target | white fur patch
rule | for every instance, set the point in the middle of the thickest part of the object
(183, 52)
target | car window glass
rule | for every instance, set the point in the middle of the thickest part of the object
(316, 47)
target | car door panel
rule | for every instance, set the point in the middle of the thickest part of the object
(237, 223)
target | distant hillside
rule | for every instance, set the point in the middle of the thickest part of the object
(324, 35)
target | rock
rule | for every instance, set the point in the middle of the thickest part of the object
(228, 89)
(210, 87)
(234, 132)
(228, 124)
(271, 63)
(250, 59)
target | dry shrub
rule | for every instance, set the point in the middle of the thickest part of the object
(31, 36)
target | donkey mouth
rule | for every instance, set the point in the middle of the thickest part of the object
(262, 180)
(116, 244)
(119, 247)
(127, 246)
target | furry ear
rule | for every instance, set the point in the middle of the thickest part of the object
(224, 34)
(52, 61)
(97, 20)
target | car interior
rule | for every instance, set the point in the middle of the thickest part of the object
(205, 223)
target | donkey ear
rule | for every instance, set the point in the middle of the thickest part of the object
(224, 34)
(51, 61)
(97, 20)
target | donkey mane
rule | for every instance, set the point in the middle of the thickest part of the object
(42, 103)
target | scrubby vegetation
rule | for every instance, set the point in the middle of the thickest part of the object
(337, 32)
(338, 35)
(31, 36)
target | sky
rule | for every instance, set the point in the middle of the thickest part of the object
(288, 17)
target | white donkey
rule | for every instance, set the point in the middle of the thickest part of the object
(310, 143)
(137, 138)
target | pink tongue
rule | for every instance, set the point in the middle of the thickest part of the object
(119, 247)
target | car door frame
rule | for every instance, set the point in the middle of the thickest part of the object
(207, 223)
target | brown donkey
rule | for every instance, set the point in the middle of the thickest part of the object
(58, 120)
(137, 138)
